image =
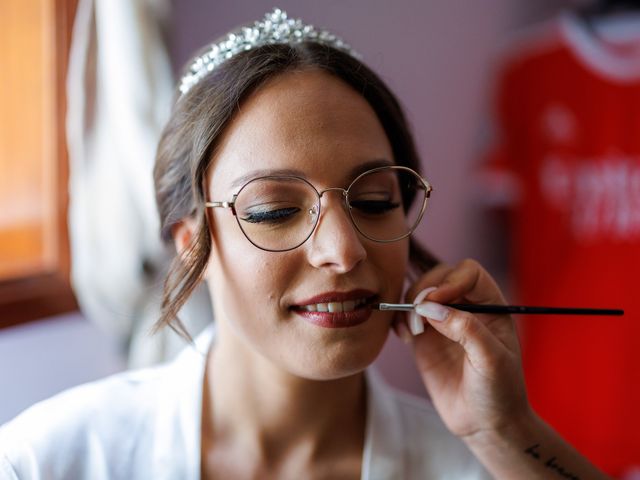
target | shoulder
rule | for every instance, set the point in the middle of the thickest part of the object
(422, 441)
(85, 406)
(101, 429)
(72, 430)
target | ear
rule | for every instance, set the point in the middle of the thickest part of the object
(183, 232)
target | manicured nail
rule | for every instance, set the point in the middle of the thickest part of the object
(432, 310)
(422, 294)
(404, 333)
(416, 324)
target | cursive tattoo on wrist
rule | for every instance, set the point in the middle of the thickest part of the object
(550, 462)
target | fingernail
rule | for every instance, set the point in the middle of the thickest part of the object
(404, 333)
(432, 310)
(415, 324)
(423, 294)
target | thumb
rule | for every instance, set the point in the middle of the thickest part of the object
(466, 330)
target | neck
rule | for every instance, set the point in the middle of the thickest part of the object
(256, 406)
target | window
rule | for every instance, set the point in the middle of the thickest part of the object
(34, 246)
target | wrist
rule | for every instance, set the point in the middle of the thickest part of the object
(502, 450)
(518, 432)
(527, 448)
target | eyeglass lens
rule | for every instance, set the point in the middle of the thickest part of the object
(280, 213)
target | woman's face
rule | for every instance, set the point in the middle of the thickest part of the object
(314, 124)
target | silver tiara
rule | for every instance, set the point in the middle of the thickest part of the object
(275, 28)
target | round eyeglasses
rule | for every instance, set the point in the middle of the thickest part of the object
(279, 213)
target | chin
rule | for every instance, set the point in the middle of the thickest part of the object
(338, 360)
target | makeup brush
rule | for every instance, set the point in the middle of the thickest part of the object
(507, 309)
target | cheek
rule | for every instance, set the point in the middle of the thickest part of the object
(245, 276)
(247, 298)
(391, 262)
(246, 282)
(263, 279)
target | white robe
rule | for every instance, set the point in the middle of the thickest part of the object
(146, 424)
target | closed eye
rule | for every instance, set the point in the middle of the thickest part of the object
(279, 215)
(374, 207)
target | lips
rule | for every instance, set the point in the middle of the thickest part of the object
(337, 309)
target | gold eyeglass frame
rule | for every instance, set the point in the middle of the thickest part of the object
(425, 185)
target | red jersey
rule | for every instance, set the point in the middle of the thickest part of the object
(568, 107)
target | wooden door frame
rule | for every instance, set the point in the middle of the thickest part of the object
(49, 293)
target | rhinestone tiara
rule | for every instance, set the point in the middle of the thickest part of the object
(275, 28)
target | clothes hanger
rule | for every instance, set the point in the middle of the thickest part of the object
(597, 9)
(607, 7)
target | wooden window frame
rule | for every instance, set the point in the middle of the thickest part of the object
(48, 292)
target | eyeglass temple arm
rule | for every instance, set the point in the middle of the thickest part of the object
(219, 204)
(230, 205)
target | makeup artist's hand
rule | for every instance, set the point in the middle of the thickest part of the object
(470, 363)
(471, 367)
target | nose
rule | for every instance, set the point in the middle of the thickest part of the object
(335, 243)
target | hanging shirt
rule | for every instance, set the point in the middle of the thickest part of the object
(146, 424)
(119, 90)
(568, 161)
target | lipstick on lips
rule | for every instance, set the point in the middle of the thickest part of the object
(337, 309)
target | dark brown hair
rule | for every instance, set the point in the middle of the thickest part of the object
(197, 122)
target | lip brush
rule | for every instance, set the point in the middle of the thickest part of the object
(507, 309)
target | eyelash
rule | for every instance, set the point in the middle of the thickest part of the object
(370, 207)
(379, 206)
(270, 216)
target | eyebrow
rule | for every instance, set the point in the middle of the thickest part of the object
(292, 172)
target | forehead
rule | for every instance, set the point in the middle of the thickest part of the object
(310, 121)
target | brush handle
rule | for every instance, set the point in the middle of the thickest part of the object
(519, 309)
(509, 309)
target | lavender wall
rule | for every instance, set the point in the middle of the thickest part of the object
(438, 58)
(40, 359)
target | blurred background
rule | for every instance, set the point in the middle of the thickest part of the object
(496, 92)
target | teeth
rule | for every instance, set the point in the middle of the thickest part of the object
(335, 307)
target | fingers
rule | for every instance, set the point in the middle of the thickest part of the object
(465, 282)
(465, 329)
(402, 331)
(432, 278)
(469, 281)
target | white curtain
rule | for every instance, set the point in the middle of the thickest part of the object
(119, 88)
